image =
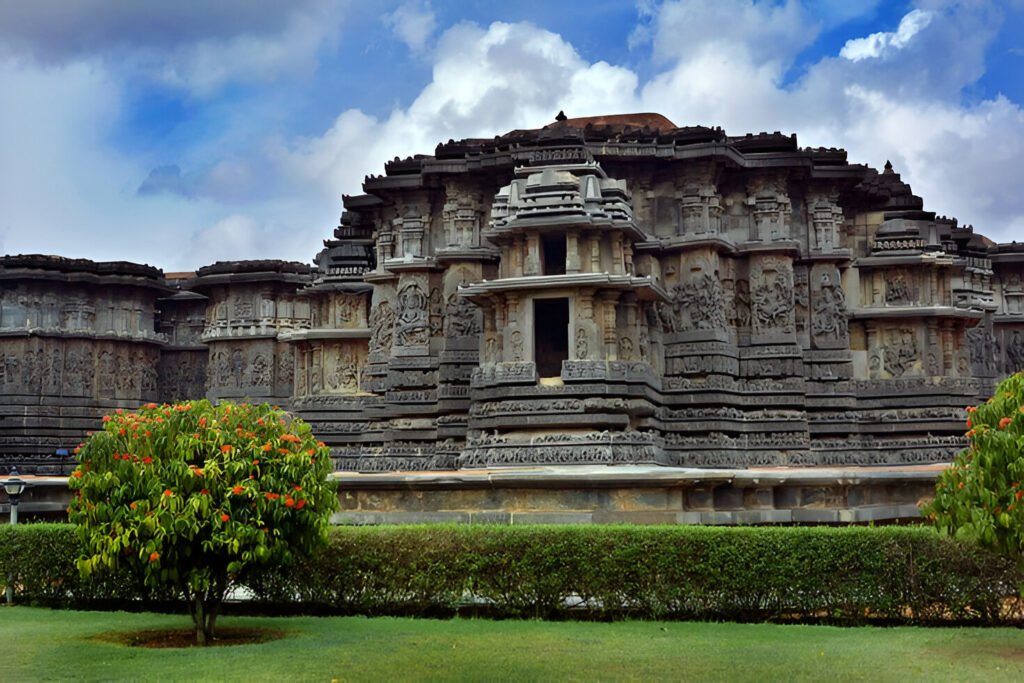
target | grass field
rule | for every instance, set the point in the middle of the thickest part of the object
(39, 644)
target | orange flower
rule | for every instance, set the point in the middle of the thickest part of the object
(150, 406)
(77, 474)
(960, 485)
(266, 447)
(272, 496)
(154, 556)
(260, 421)
(168, 493)
(297, 487)
(202, 422)
(972, 409)
(204, 492)
(197, 471)
(236, 490)
(226, 448)
(300, 504)
(224, 517)
(106, 418)
(119, 411)
(122, 431)
(147, 433)
(255, 462)
(133, 505)
(289, 502)
(1019, 495)
(147, 460)
(969, 423)
(1005, 422)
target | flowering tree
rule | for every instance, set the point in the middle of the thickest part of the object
(194, 497)
(981, 497)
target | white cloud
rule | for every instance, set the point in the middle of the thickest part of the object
(962, 160)
(413, 23)
(764, 32)
(881, 44)
(64, 191)
(485, 81)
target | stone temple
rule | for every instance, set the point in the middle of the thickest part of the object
(605, 319)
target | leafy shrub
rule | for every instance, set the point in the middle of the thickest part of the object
(191, 498)
(980, 497)
(843, 575)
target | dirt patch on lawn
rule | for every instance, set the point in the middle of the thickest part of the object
(186, 637)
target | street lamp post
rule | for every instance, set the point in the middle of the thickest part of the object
(14, 486)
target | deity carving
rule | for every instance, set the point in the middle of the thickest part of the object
(829, 320)
(346, 373)
(462, 317)
(412, 324)
(1015, 353)
(382, 327)
(436, 313)
(517, 346)
(900, 351)
(582, 348)
(698, 304)
(625, 348)
(286, 367)
(772, 299)
(897, 291)
(260, 371)
(984, 349)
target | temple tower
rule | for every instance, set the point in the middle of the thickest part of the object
(565, 361)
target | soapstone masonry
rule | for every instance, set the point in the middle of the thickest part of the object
(602, 291)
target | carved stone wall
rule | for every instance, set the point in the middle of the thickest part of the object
(732, 302)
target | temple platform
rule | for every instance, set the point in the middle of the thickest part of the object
(637, 494)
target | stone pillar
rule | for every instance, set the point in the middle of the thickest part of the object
(572, 252)
(609, 331)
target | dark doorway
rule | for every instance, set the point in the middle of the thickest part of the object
(550, 335)
(553, 254)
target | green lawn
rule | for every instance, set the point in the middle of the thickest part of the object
(39, 644)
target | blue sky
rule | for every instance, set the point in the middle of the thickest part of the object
(184, 133)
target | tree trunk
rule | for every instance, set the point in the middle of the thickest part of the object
(199, 621)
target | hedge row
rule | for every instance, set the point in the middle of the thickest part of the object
(892, 574)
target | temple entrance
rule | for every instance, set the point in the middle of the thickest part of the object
(550, 335)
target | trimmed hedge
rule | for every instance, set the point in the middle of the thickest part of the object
(855, 574)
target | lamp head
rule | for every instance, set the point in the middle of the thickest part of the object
(14, 486)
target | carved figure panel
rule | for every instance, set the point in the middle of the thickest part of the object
(898, 290)
(984, 350)
(771, 296)
(382, 328)
(900, 351)
(698, 304)
(829, 321)
(412, 323)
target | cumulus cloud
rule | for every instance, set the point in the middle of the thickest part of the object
(254, 193)
(413, 23)
(880, 44)
(485, 81)
(723, 67)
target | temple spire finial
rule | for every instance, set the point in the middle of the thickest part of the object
(561, 116)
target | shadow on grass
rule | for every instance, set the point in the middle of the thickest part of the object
(185, 637)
